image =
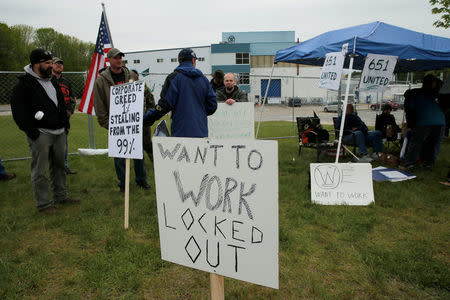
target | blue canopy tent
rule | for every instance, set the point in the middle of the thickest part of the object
(416, 51)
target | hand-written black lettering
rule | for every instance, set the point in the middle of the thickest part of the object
(233, 230)
(217, 227)
(184, 155)
(207, 254)
(237, 147)
(165, 217)
(236, 255)
(243, 201)
(259, 159)
(215, 147)
(165, 153)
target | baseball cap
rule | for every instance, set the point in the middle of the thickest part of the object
(57, 60)
(186, 54)
(40, 55)
(113, 52)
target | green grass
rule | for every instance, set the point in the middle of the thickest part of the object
(394, 249)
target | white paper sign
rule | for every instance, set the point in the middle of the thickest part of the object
(330, 78)
(377, 73)
(218, 206)
(232, 121)
(341, 184)
(125, 120)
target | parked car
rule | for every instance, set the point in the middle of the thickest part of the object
(294, 102)
(332, 106)
(394, 105)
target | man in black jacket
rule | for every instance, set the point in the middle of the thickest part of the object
(66, 88)
(39, 110)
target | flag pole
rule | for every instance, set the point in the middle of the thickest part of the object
(107, 24)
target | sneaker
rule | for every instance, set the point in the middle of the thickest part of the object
(365, 159)
(144, 185)
(70, 172)
(8, 176)
(374, 156)
(446, 183)
(48, 210)
(406, 168)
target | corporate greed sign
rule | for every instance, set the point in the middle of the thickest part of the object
(232, 121)
(330, 78)
(125, 120)
(218, 206)
(377, 73)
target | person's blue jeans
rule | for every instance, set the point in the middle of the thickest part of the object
(2, 169)
(429, 139)
(373, 138)
(139, 170)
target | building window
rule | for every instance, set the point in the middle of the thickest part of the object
(242, 58)
(159, 60)
(243, 78)
(201, 59)
(173, 59)
(137, 61)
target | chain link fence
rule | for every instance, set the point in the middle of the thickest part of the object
(288, 97)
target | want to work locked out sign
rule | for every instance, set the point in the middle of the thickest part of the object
(233, 121)
(377, 73)
(341, 184)
(125, 120)
(218, 206)
(330, 77)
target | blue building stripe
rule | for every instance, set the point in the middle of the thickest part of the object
(230, 48)
(231, 68)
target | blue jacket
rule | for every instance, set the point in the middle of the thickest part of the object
(188, 94)
(422, 109)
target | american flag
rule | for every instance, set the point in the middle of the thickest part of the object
(102, 46)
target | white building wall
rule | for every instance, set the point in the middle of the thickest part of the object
(223, 59)
(305, 85)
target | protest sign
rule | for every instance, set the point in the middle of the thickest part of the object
(330, 78)
(232, 121)
(341, 184)
(125, 120)
(377, 72)
(218, 206)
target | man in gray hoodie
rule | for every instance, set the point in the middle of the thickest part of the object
(39, 110)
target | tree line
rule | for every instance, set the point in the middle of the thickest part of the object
(16, 43)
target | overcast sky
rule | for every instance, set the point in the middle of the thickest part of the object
(144, 25)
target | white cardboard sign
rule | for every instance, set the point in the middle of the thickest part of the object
(330, 78)
(218, 206)
(341, 184)
(125, 120)
(377, 73)
(232, 121)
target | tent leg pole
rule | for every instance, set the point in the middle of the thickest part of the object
(264, 101)
(344, 109)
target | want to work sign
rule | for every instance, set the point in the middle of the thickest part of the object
(218, 206)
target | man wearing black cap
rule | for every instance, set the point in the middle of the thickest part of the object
(66, 88)
(217, 80)
(188, 94)
(116, 74)
(39, 110)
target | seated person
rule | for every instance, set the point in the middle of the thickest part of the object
(353, 124)
(385, 123)
(230, 93)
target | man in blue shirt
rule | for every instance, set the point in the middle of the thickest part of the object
(188, 95)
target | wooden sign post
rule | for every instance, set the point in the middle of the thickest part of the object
(125, 128)
(217, 287)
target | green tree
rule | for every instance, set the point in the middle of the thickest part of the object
(441, 7)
